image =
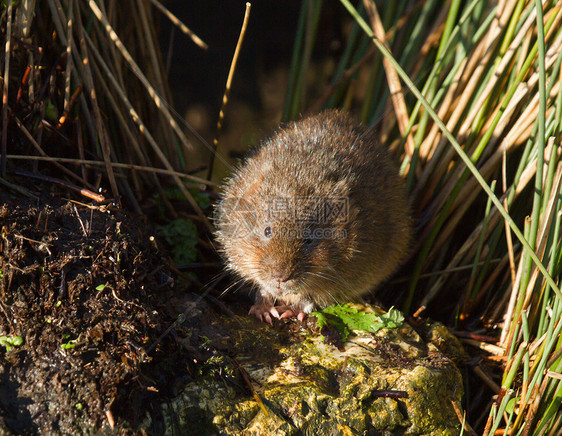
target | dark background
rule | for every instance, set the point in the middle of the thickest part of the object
(198, 76)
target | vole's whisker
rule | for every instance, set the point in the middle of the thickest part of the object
(322, 276)
(223, 293)
(334, 278)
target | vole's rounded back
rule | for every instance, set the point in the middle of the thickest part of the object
(317, 215)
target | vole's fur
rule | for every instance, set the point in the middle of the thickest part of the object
(317, 215)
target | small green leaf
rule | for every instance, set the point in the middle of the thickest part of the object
(345, 319)
(51, 112)
(100, 287)
(393, 318)
(510, 406)
(69, 345)
(11, 342)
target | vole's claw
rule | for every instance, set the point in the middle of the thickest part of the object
(288, 313)
(274, 312)
(291, 312)
(267, 318)
(264, 312)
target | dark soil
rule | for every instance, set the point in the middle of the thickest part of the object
(88, 290)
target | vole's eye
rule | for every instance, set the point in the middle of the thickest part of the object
(267, 232)
(308, 240)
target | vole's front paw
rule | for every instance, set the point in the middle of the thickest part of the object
(290, 312)
(264, 312)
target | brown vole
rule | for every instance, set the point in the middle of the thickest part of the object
(317, 215)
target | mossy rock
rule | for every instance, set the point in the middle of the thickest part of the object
(387, 383)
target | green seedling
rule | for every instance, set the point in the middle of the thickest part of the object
(11, 342)
(68, 345)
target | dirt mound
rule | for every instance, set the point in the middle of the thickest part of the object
(86, 291)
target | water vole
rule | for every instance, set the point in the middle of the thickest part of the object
(316, 215)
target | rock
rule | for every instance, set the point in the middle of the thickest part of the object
(390, 382)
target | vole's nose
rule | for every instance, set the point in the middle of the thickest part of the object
(281, 274)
